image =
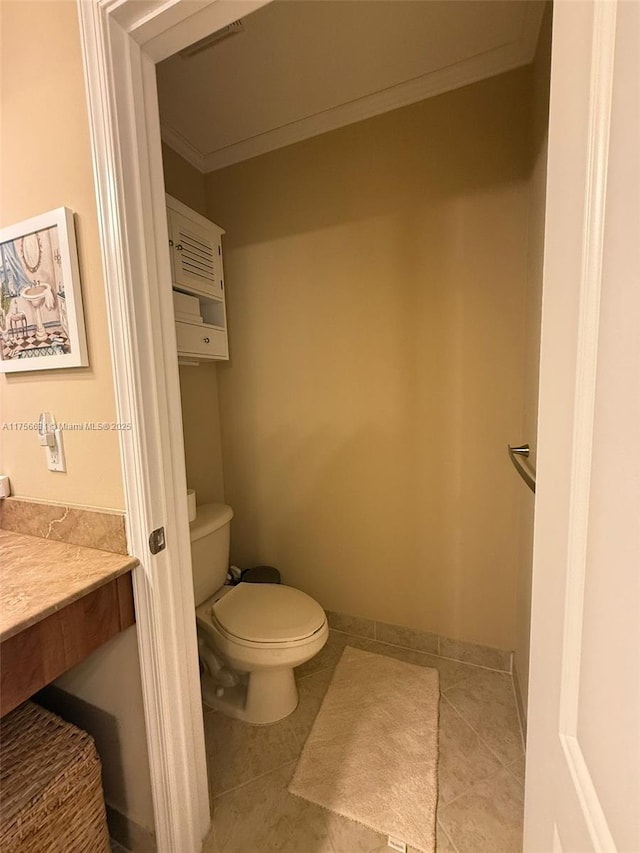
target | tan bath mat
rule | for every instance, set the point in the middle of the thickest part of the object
(372, 754)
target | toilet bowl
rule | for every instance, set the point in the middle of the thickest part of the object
(250, 636)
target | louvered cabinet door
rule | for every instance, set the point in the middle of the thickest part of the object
(197, 262)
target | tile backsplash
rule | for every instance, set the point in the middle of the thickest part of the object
(76, 525)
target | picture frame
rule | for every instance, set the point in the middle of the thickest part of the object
(41, 315)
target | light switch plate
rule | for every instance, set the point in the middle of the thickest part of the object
(56, 460)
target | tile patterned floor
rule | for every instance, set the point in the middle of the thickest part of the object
(481, 767)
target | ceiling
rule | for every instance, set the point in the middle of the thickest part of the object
(302, 67)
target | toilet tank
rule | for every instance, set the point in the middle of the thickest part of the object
(210, 549)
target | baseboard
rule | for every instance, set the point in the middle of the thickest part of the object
(522, 711)
(130, 834)
(422, 641)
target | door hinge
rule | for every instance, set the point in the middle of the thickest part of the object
(157, 541)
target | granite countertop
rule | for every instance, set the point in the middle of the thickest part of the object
(38, 577)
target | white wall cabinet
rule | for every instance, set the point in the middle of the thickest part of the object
(195, 246)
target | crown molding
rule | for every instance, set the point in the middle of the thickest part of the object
(531, 25)
(181, 145)
(488, 64)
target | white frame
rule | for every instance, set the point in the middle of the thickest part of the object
(121, 41)
(62, 219)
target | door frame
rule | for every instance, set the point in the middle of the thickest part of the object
(121, 42)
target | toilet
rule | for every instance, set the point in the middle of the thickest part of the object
(250, 636)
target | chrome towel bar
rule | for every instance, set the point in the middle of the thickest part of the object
(527, 473)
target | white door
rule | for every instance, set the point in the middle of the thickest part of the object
(583, 773)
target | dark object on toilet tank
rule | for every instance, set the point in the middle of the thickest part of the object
(260, 574)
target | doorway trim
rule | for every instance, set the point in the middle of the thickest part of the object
(121, 42)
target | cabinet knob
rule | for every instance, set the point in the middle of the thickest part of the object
(179, 247)
(171, 242)
(206, 341)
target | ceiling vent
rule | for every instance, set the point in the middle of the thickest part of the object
(233, 29)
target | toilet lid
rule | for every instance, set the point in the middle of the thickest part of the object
(268, 613)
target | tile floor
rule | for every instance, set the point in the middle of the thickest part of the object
(481, 767)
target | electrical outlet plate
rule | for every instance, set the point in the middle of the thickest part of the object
(395, 844)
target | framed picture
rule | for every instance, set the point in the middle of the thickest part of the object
(41, 319)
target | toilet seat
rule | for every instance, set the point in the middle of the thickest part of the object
(270, 614)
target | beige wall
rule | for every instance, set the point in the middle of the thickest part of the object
(109, 679)
(376, 284)
(541, 72)
(201, 425)
(45, 163)
(182, 181)
(198, 385)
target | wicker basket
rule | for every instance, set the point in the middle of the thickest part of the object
(50, 786)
